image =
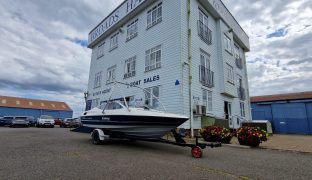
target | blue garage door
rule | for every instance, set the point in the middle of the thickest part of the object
(290, 118)
(54, 114)
(309, 114)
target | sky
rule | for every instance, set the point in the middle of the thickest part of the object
(43, 53)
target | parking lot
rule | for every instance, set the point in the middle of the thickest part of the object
(57, 153)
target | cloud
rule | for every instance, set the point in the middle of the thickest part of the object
(280, 37)
(306, 60)
(43, 51)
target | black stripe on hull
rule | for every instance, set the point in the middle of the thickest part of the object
(132, 120)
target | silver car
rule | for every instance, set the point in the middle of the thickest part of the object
(19, 121)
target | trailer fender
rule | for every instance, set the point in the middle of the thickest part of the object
(101, 134)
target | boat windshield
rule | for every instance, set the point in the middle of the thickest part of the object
(112, 105)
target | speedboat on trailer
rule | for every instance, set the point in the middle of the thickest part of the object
(118, 120)
(133, 123)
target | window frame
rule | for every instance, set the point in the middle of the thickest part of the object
(100, 50)
(114, 41)
(130, 71)
(207, 100)
(230, 73)
(153, 58)
(227, 43)
(132, 29)
(97, 80)
(151, 20)
(149, 99)
(242, 109)
(111, 74)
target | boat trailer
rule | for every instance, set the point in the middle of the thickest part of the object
(197, 147)
(98, 137)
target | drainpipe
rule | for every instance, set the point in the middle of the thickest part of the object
(190, 65)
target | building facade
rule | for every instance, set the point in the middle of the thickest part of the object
(190, 54)
(16, 106)
(288, 113)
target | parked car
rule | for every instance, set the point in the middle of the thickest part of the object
(66, 123)
(76, 123)
(6, 121)
(58, 121)
(70, 123)
(19, 121)
(45, 121)
(30, 119)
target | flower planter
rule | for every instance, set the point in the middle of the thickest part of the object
(251, 136)
(216, 134)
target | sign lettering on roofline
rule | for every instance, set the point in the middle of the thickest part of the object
(119, 13)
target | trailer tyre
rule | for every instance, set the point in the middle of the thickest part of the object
(197, 152)
(96, 138)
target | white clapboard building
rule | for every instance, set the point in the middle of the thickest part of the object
(188, 53)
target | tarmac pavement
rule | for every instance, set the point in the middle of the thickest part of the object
(57, 153)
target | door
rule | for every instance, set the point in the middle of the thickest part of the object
(228, 113)
(309, 116)
(292, 118)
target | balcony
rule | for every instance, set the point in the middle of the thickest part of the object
(239, 62)
(204, 32)
(241, 93)
(206, 76)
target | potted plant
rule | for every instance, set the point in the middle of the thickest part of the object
(251, 136)
(216, 134)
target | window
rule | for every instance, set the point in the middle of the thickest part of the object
(203, 31)
(204, 59)
(227, 44)
(150, 100)
(207, 100)
(205, 74)
(114, 42)
(95, 103)
(97, 80)
(236, 52)
(100, 51)
(239, 80)
(130, 67)
(111, 74)
(242, 109)
(238, 59)
(154, 15)
(153, 58)
(229, 73)
(132, 30)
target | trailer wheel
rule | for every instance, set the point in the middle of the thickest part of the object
(95, 138)
(197, 152)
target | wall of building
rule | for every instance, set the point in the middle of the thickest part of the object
(294, 117)
(172, 34)
(170, 70)
(219, 57)
(7, 111)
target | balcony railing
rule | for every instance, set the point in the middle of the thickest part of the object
(206, 76)
(241, 93)
(204, 32)
(239, 62)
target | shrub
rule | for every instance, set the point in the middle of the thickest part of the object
(251, 136)
(216, 134)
